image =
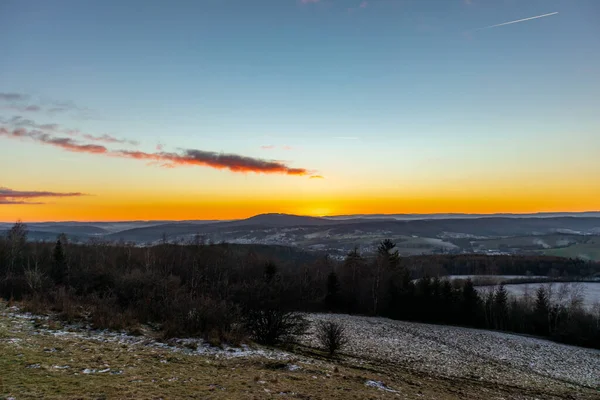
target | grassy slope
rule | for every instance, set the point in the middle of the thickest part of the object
(157, 373)
(590, 250)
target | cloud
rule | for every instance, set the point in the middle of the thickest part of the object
(517, 21)
(10, 196)
(19, 121)
(13, 96)
(54, 107)
(231, 162)
(4, 202)
(346, 137)
(45, 138)
(272, 147)
(19, 102)
(362, 5)
(21, 108)
(316, 177)
(109, 139)
(71, 145)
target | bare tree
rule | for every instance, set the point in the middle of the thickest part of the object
(332, 336)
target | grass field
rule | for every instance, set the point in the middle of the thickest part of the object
(589, 250)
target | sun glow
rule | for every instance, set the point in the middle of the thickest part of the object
(318, 211)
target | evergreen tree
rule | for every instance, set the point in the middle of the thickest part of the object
(333, 289)
(424, 302)
(270, 272)
(436, 300)
(469, 304)
(500, 308)
(448, 302)
(386, 250)
(353, 272)
(59, 263)
(541, 312)
(17, 238)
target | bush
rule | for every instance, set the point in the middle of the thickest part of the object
(212, 319)
(331, 336)
(275, 326)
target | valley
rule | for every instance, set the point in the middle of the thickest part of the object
(567, 235)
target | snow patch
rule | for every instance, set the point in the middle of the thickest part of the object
(380, 385)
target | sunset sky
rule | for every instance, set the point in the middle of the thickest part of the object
(221, 109)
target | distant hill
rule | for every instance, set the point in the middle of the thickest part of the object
(414, 234)
(588, 214)
(280, 220)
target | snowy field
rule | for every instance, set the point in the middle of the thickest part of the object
(495, 278)
(560, 292)
(453, 352)
(468, 353)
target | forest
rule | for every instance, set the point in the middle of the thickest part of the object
(230, 293)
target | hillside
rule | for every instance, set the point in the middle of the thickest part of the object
(384, 359)
(575, 235)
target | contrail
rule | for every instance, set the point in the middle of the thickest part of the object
(517, 21)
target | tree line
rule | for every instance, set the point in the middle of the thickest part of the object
(227, 292)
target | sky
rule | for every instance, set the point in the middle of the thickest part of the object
(222, 109)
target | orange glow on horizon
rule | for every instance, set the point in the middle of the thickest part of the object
(94, 209)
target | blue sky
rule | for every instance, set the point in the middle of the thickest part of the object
(413, 87)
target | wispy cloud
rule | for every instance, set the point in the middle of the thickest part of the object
(109, 139)
(10, 196)
(20, 122)
(316, 177)
(194, 157)
(346, 137)
(13, 96)
(273, 147)
(361, 5)
(517, 21)
(22, 102)
(16, 101)
(46, 138)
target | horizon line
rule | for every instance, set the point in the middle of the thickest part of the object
(309, 216)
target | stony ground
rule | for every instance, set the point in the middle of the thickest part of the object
(469, 353)
(42, 358)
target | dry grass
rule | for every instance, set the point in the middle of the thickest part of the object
(33, 364)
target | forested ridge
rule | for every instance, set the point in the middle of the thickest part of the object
(227, 292)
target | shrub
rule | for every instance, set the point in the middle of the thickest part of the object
(105, 313)
(331, 336)
(213, 319)
(273, 326)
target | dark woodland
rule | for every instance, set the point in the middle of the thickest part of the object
(227, 293)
